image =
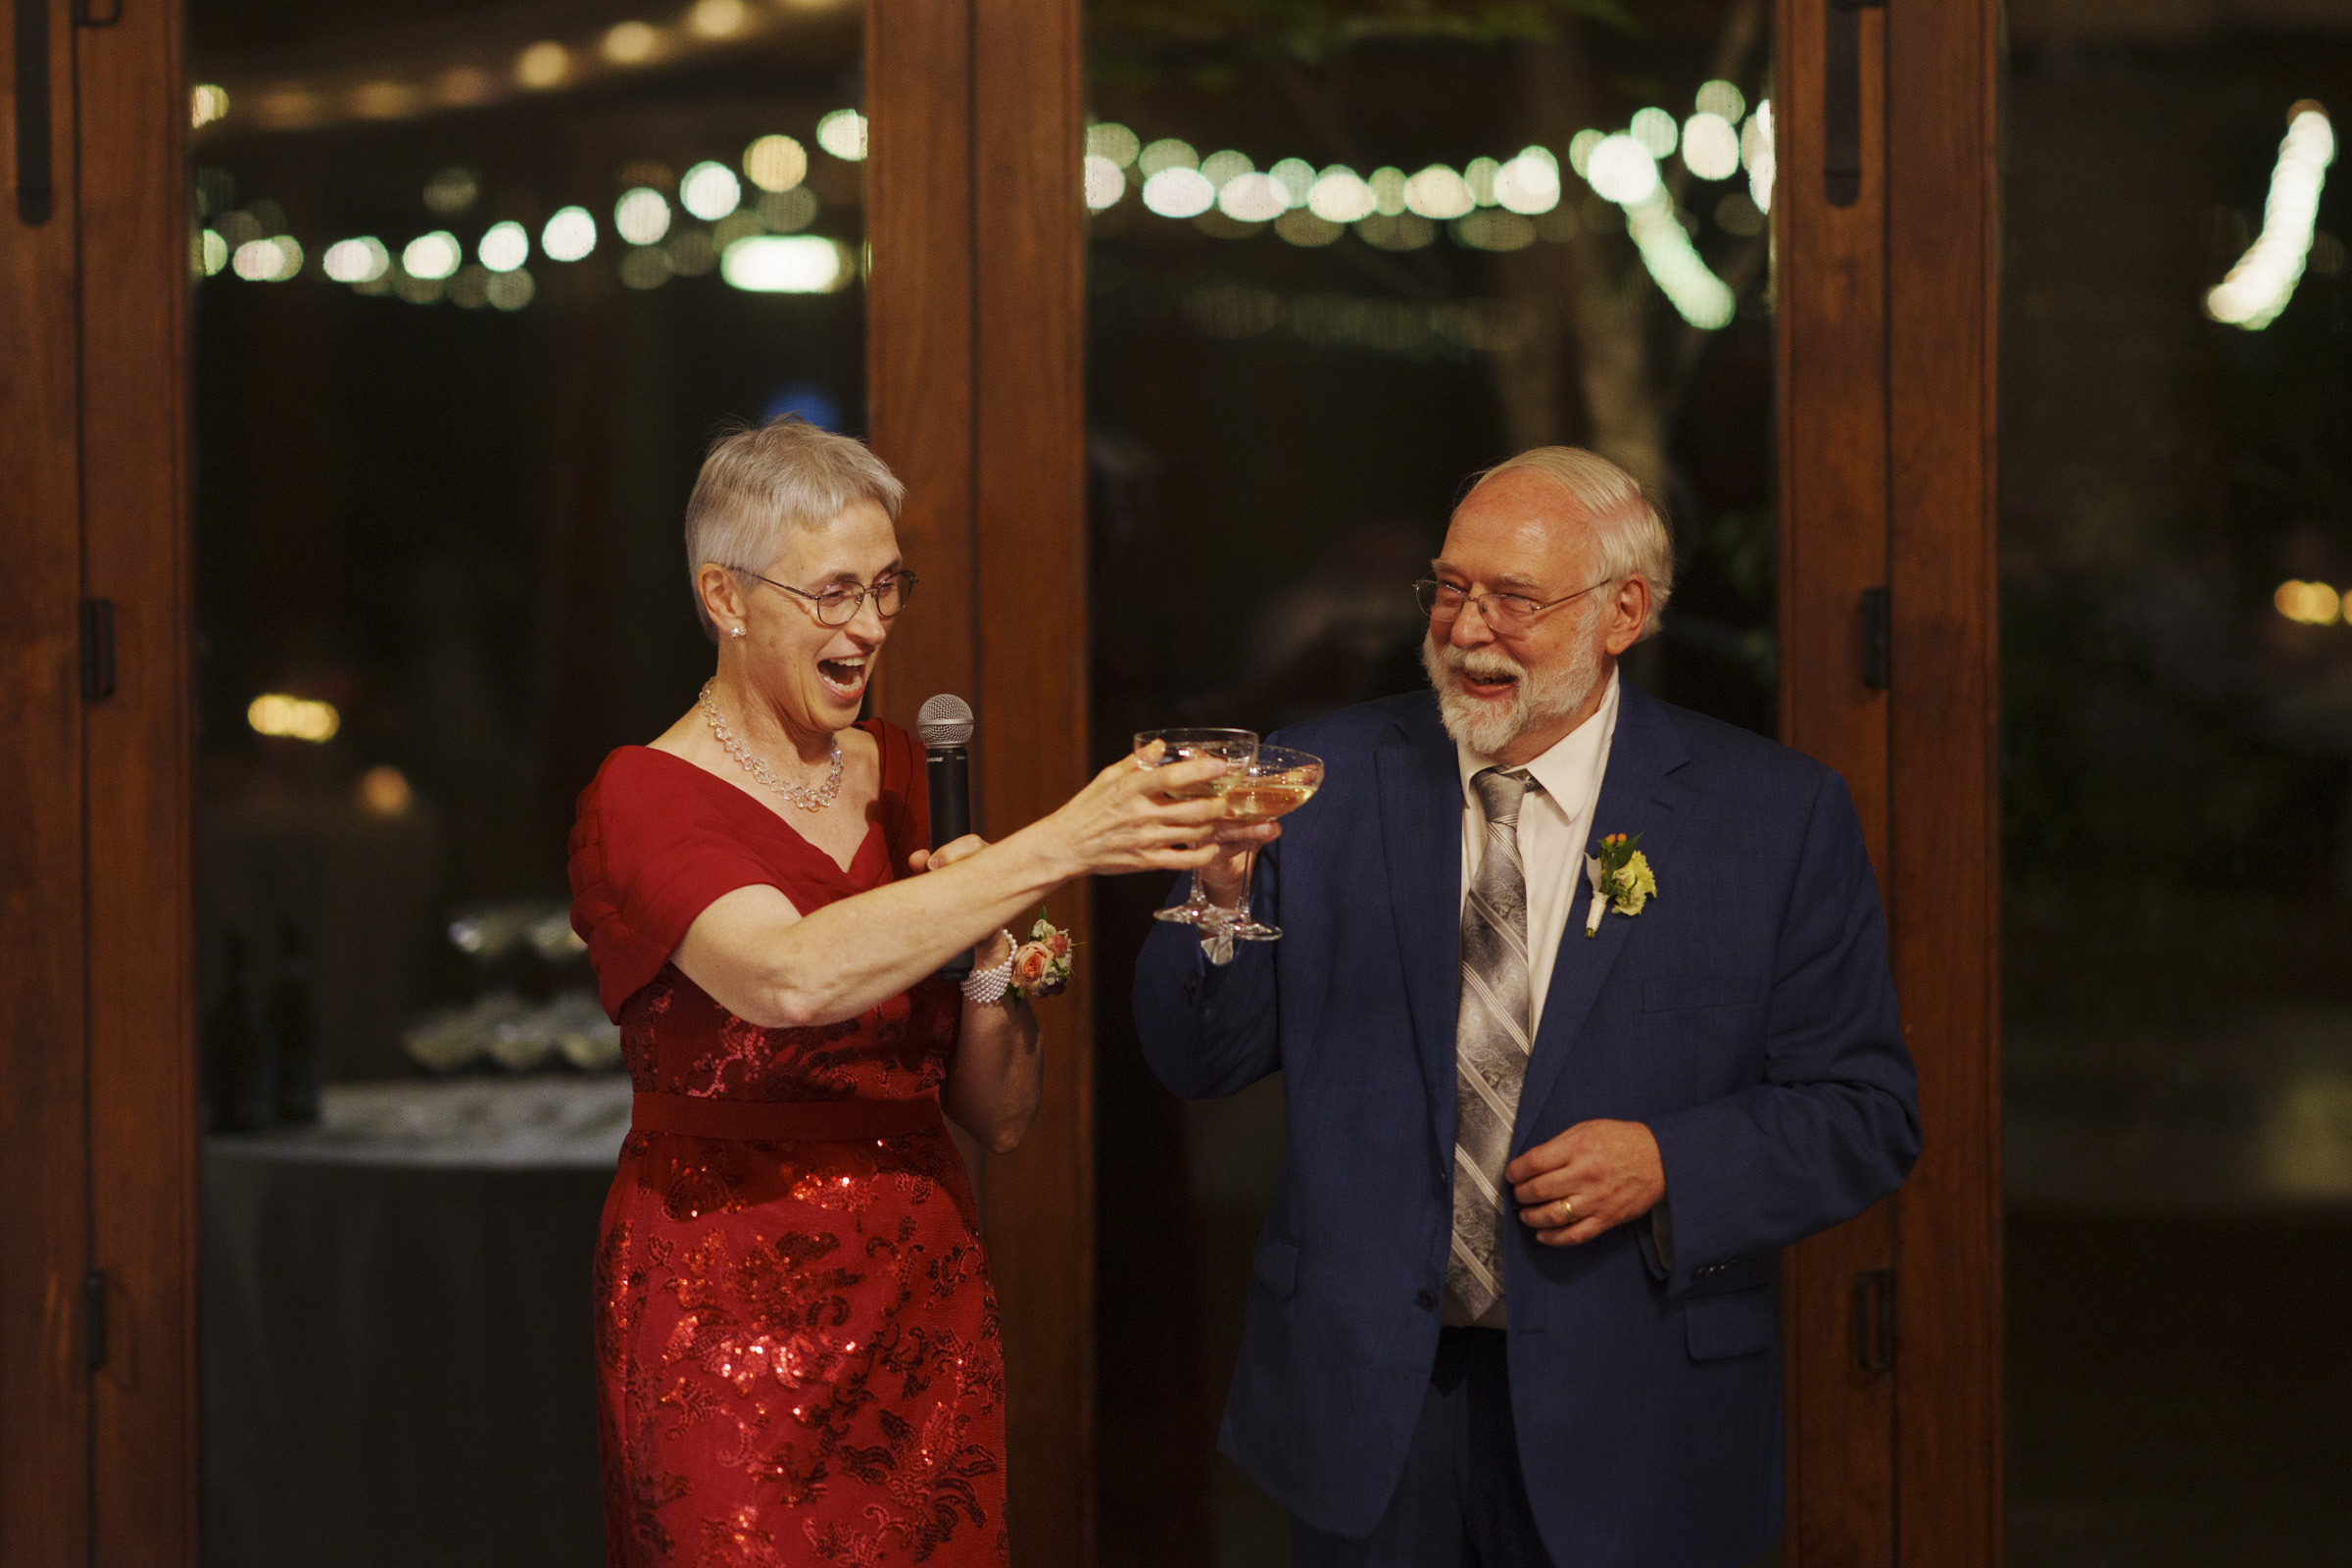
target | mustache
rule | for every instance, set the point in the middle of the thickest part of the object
(1484, 664)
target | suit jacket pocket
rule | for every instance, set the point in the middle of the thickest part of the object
(1277, 1266)
(1735, 1323)
(1678, 991)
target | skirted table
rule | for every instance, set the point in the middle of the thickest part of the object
(396, 1345)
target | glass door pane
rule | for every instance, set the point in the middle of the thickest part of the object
(475, 288)
(2176, 539)
(1332, 275)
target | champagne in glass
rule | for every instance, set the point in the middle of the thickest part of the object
(1275, 782)
(1158, 747)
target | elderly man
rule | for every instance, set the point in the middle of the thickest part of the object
(1515, 1302)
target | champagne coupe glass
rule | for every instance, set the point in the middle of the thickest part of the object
(1236, 747)
(1276, 782)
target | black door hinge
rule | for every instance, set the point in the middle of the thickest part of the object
(97, 649)
(1874, 1319)
(1878, 640)
(36, 184)
(93, 1306)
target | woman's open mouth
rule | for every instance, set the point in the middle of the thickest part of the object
(844, 677)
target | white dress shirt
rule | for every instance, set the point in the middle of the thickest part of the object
(1555, 827)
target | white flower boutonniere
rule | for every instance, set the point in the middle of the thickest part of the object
(1621, 879)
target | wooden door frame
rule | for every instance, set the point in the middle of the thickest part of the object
(1887, 316)
(975, 379)
(98, 1457)
(976, 321)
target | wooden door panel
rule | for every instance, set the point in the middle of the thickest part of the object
(1943, 871)
(44, 1156)
(1834, 327)
(975, 374)
(142, 1054)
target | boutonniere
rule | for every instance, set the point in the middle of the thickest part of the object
(1041, 965)
(1621, 879)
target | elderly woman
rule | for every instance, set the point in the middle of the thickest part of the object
(798, 1350)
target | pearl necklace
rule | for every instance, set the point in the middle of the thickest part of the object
(808, 797)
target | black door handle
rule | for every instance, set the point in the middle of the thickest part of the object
(36, 189)
(1841, 101)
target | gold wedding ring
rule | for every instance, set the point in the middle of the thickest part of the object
(1567, 1210)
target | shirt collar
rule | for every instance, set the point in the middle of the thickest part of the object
(1569, 770)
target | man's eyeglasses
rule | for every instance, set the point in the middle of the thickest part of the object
(839, 604)
(1444, 601)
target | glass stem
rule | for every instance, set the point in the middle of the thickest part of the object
(1241, 909)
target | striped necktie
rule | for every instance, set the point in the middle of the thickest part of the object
(1490, 1051)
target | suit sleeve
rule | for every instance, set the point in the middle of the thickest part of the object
(1834, 1127)
(1207, 1029)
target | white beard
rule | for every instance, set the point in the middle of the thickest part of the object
(1539, 697)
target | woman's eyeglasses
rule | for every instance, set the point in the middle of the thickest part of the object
(839, 604)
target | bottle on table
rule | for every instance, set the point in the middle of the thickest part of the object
(240, 1066)
(294, 1029)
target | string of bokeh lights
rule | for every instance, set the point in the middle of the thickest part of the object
(1489, 204)
(753, 239)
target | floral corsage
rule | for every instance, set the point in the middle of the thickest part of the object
(1041, 965)
(1621, 879)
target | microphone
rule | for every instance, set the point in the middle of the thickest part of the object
(944, 725)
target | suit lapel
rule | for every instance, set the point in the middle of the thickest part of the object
(1421, 827)
(1637, 795)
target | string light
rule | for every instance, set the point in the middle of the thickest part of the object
(504, 247)
(2264, 279)
(356, 260)
(2307, 604)
(543, 64)
(784, 263)
(293, 718)
(775, 162)
(631, 44)
(709, 191)
(570, 235)
(641, 216)
(434, 256)
(843, 134)
(1104, 182)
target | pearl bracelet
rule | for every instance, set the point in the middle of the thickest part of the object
(986, 986)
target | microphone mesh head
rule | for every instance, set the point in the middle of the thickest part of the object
(945, 722)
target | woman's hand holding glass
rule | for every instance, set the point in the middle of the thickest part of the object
(1167, 755)
(1130, 819)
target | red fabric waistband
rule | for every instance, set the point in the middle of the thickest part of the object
(782, 1121)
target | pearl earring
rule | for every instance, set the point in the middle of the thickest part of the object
(736, 633)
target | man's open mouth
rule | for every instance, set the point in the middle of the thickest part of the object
(1491, 684)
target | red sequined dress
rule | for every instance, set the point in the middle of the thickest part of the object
(796, 1345)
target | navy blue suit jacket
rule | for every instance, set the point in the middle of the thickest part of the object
(1747, 1015)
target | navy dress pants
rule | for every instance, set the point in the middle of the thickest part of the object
(1461, 1502)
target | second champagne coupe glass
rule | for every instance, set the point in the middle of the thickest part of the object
(1236, 747)
(1276, 782)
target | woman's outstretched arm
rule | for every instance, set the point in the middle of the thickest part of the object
(759, 957)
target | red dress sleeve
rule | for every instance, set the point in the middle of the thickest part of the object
(651, 850)
(655, 844)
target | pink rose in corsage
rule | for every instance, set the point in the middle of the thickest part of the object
(1621, 879)
(1041, 965)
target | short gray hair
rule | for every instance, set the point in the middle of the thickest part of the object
(760, 480)
(1628, 528)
